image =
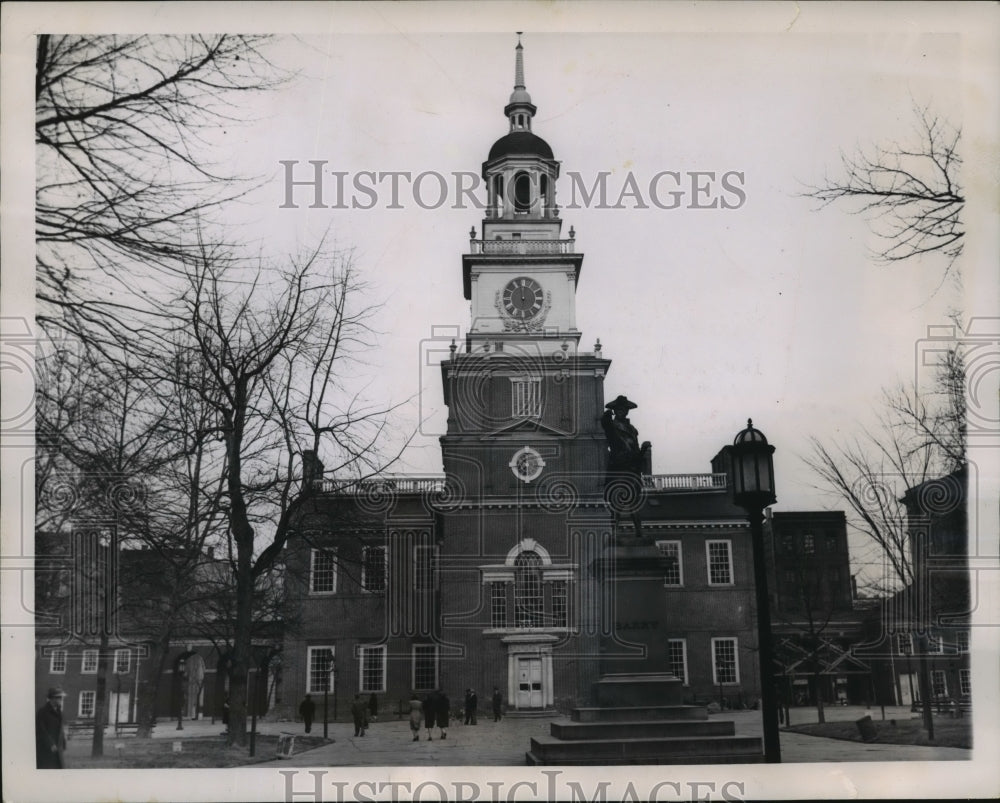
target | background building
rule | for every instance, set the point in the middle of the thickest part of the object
(521, 566)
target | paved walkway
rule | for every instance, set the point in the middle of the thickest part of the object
(389, 742)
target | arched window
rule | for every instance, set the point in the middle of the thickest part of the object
(522, 192)
(544, 191)
(528, 599)
(498, 192)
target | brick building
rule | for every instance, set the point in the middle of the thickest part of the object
(521, 566)
(928, 624)
(815, 621)
(96, 599)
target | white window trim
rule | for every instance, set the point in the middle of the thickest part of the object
(736, 661)
(531, 399)
(52, 662)
(909, 641)
(128, 661)
(944, 682)
(309, 662)
(434, 562)
(413, 666)
(501, 587)
(965, 679)
(362, 650)
(364, 566)
(680, 564)
(961, 648)
(684, 652)
(708, 561)
(935, 644)
(552, 599)
(83, 662)
(312, 570)
(85, 695)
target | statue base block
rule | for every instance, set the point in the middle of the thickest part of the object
(639, 719)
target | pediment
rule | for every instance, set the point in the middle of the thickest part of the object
(526, 426)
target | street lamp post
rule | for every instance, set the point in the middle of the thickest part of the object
(752, 472)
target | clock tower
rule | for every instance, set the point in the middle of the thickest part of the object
(524, 453)
(521, 276)
(524, 402)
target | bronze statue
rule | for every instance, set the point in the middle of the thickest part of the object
(626, 460)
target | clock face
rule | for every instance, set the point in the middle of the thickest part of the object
(522, 298)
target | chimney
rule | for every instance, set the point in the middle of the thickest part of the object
(647, 458)
(312, 467)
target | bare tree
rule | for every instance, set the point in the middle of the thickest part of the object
(97, 453)
(110, 434)
(911, 193)
(809, 612)
(920, 435)
(124, 130)
(278, 344)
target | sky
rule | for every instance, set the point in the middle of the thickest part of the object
(774, 310)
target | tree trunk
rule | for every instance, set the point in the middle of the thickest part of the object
(150, 690)
(101, 696)
(818, 685)
(242, 647)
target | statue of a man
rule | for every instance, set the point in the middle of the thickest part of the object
(624, 452)
(626, 458)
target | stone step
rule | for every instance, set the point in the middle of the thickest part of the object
(575, 731)
(533, 761)
(528, 713)
(648, 750)
(635, 713)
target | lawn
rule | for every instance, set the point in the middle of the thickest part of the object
(947, 732)
(195, 752)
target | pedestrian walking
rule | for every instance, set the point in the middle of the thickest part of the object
(443, 712)
(307, 708)
(373, 707)
(471, 704)
(497, 705)
(359, 710)
(416, 715)
(50, 737)
(430, 714)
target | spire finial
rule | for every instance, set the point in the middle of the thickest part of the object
(519, 64)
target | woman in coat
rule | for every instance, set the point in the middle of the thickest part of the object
(416, 716)
(430, 714)
(443, 710)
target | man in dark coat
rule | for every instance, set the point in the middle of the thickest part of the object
(50, 738)
(497, 704)
(307, 709)
(471, 704)
(359, 710)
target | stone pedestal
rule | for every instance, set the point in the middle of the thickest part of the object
(639, 719)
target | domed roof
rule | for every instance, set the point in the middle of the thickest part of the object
(522, 143)
(749, 435)
(519, 95)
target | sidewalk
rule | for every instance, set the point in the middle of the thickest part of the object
(389, 742)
